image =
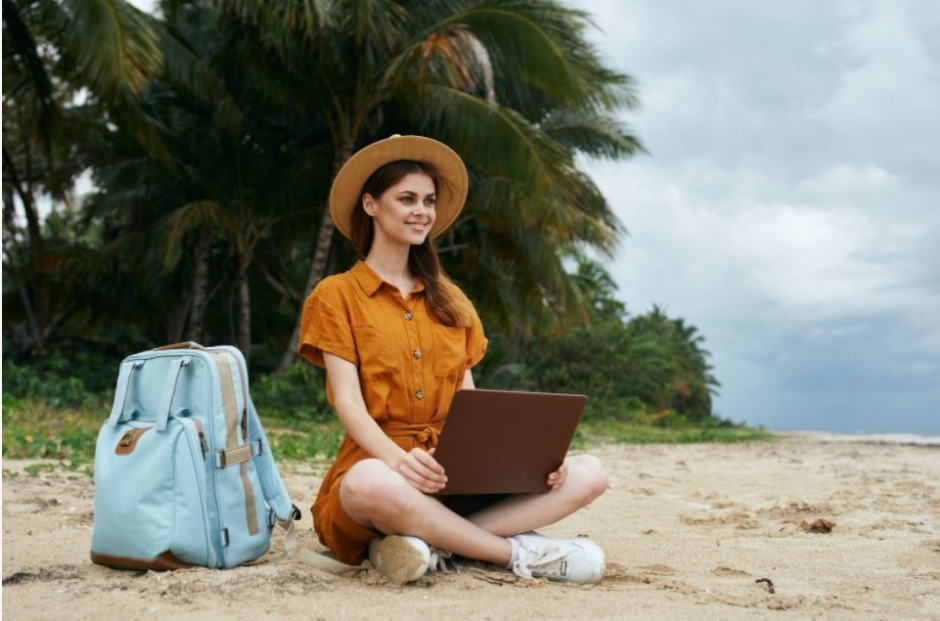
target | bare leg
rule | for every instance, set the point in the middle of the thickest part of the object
(376, 497)
(586, 481)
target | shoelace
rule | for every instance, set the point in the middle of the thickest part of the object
(542, 557)
(439, 560)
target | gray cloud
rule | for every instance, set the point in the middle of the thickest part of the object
(789, 206)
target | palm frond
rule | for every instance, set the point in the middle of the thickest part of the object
(25, 48)
(596, 135)
(495, 137)
(184, 66)
(188, 217)
(539, 50)
(308, 17)
(114, 43)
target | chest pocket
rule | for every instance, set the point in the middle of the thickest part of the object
(377, 349)
(450, 351)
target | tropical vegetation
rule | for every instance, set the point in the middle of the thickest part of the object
(165, 179)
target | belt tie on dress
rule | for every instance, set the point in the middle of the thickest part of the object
(423, 433)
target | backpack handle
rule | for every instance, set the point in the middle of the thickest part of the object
(182, 345)
(120, 395)
(166, 396)
(169, 390)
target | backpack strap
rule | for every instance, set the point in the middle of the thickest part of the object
(235, 452)
(258, 449)
(272, 486)
(318, 560)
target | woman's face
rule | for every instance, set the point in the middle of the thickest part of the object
(405, 212)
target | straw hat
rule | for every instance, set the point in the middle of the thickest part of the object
(345, 195)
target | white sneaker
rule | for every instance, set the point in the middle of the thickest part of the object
(565, 560)
(400, 558)
(440, 559)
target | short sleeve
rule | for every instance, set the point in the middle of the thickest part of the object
(476, 338)
(324, 328)
(476, 341)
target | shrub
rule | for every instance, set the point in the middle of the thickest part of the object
(53, 381)
(300, 392)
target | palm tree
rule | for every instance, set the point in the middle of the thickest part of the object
(74, 71)
(667, 365)
(108, 46)
(200, 214)
(290, 89)
(512, 86)
(51, 51)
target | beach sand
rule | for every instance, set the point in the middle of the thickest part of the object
(688, 531)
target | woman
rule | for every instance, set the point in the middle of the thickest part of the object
(397, 339)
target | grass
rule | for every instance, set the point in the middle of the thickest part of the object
(601, 432)
(64, 436)
(35, 430)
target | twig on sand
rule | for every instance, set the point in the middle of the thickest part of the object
(770, 584)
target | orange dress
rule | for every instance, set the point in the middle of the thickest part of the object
(410, 365)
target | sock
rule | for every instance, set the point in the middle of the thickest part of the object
(515, 552)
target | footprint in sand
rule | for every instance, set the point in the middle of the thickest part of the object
(657, 570)
(740, 519)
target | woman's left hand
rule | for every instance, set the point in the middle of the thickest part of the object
(422, 471)
(558, 477)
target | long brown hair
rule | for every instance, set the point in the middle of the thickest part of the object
(440, 293)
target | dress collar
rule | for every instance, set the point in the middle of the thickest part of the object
(370, 282)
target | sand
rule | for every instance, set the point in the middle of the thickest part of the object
(688, 531)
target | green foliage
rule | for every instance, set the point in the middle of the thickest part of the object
(314, 441)
(647, 370)
(37, 430)
(65, 437)
(34, 470)
(629, 433)
(213, 148)
(59, 380)
(34, 429)
(212, 137)
(298, 393)
(48, 412)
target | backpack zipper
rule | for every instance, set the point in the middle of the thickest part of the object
(200, 481)
(203, 444)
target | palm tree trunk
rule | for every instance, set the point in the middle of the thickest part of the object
(244, 309)
(12, 261)
(176, 321)
(35, 288)
(315, 275)
(318, 266)
(197, 316)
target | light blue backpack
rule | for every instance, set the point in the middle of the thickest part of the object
(184, 474)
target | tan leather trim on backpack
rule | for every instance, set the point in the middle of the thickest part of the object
(162, 562)
(249, 500)
(128, 441)
(230, 403)
(183, 345)
(249, 492)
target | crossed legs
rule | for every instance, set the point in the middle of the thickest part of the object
(377, 497)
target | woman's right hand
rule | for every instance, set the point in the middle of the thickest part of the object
(422, 471)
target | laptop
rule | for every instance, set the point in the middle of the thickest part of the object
(506, 442)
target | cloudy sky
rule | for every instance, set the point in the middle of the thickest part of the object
(790, 203)
(789, 206)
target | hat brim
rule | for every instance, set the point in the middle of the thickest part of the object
(345, 194)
